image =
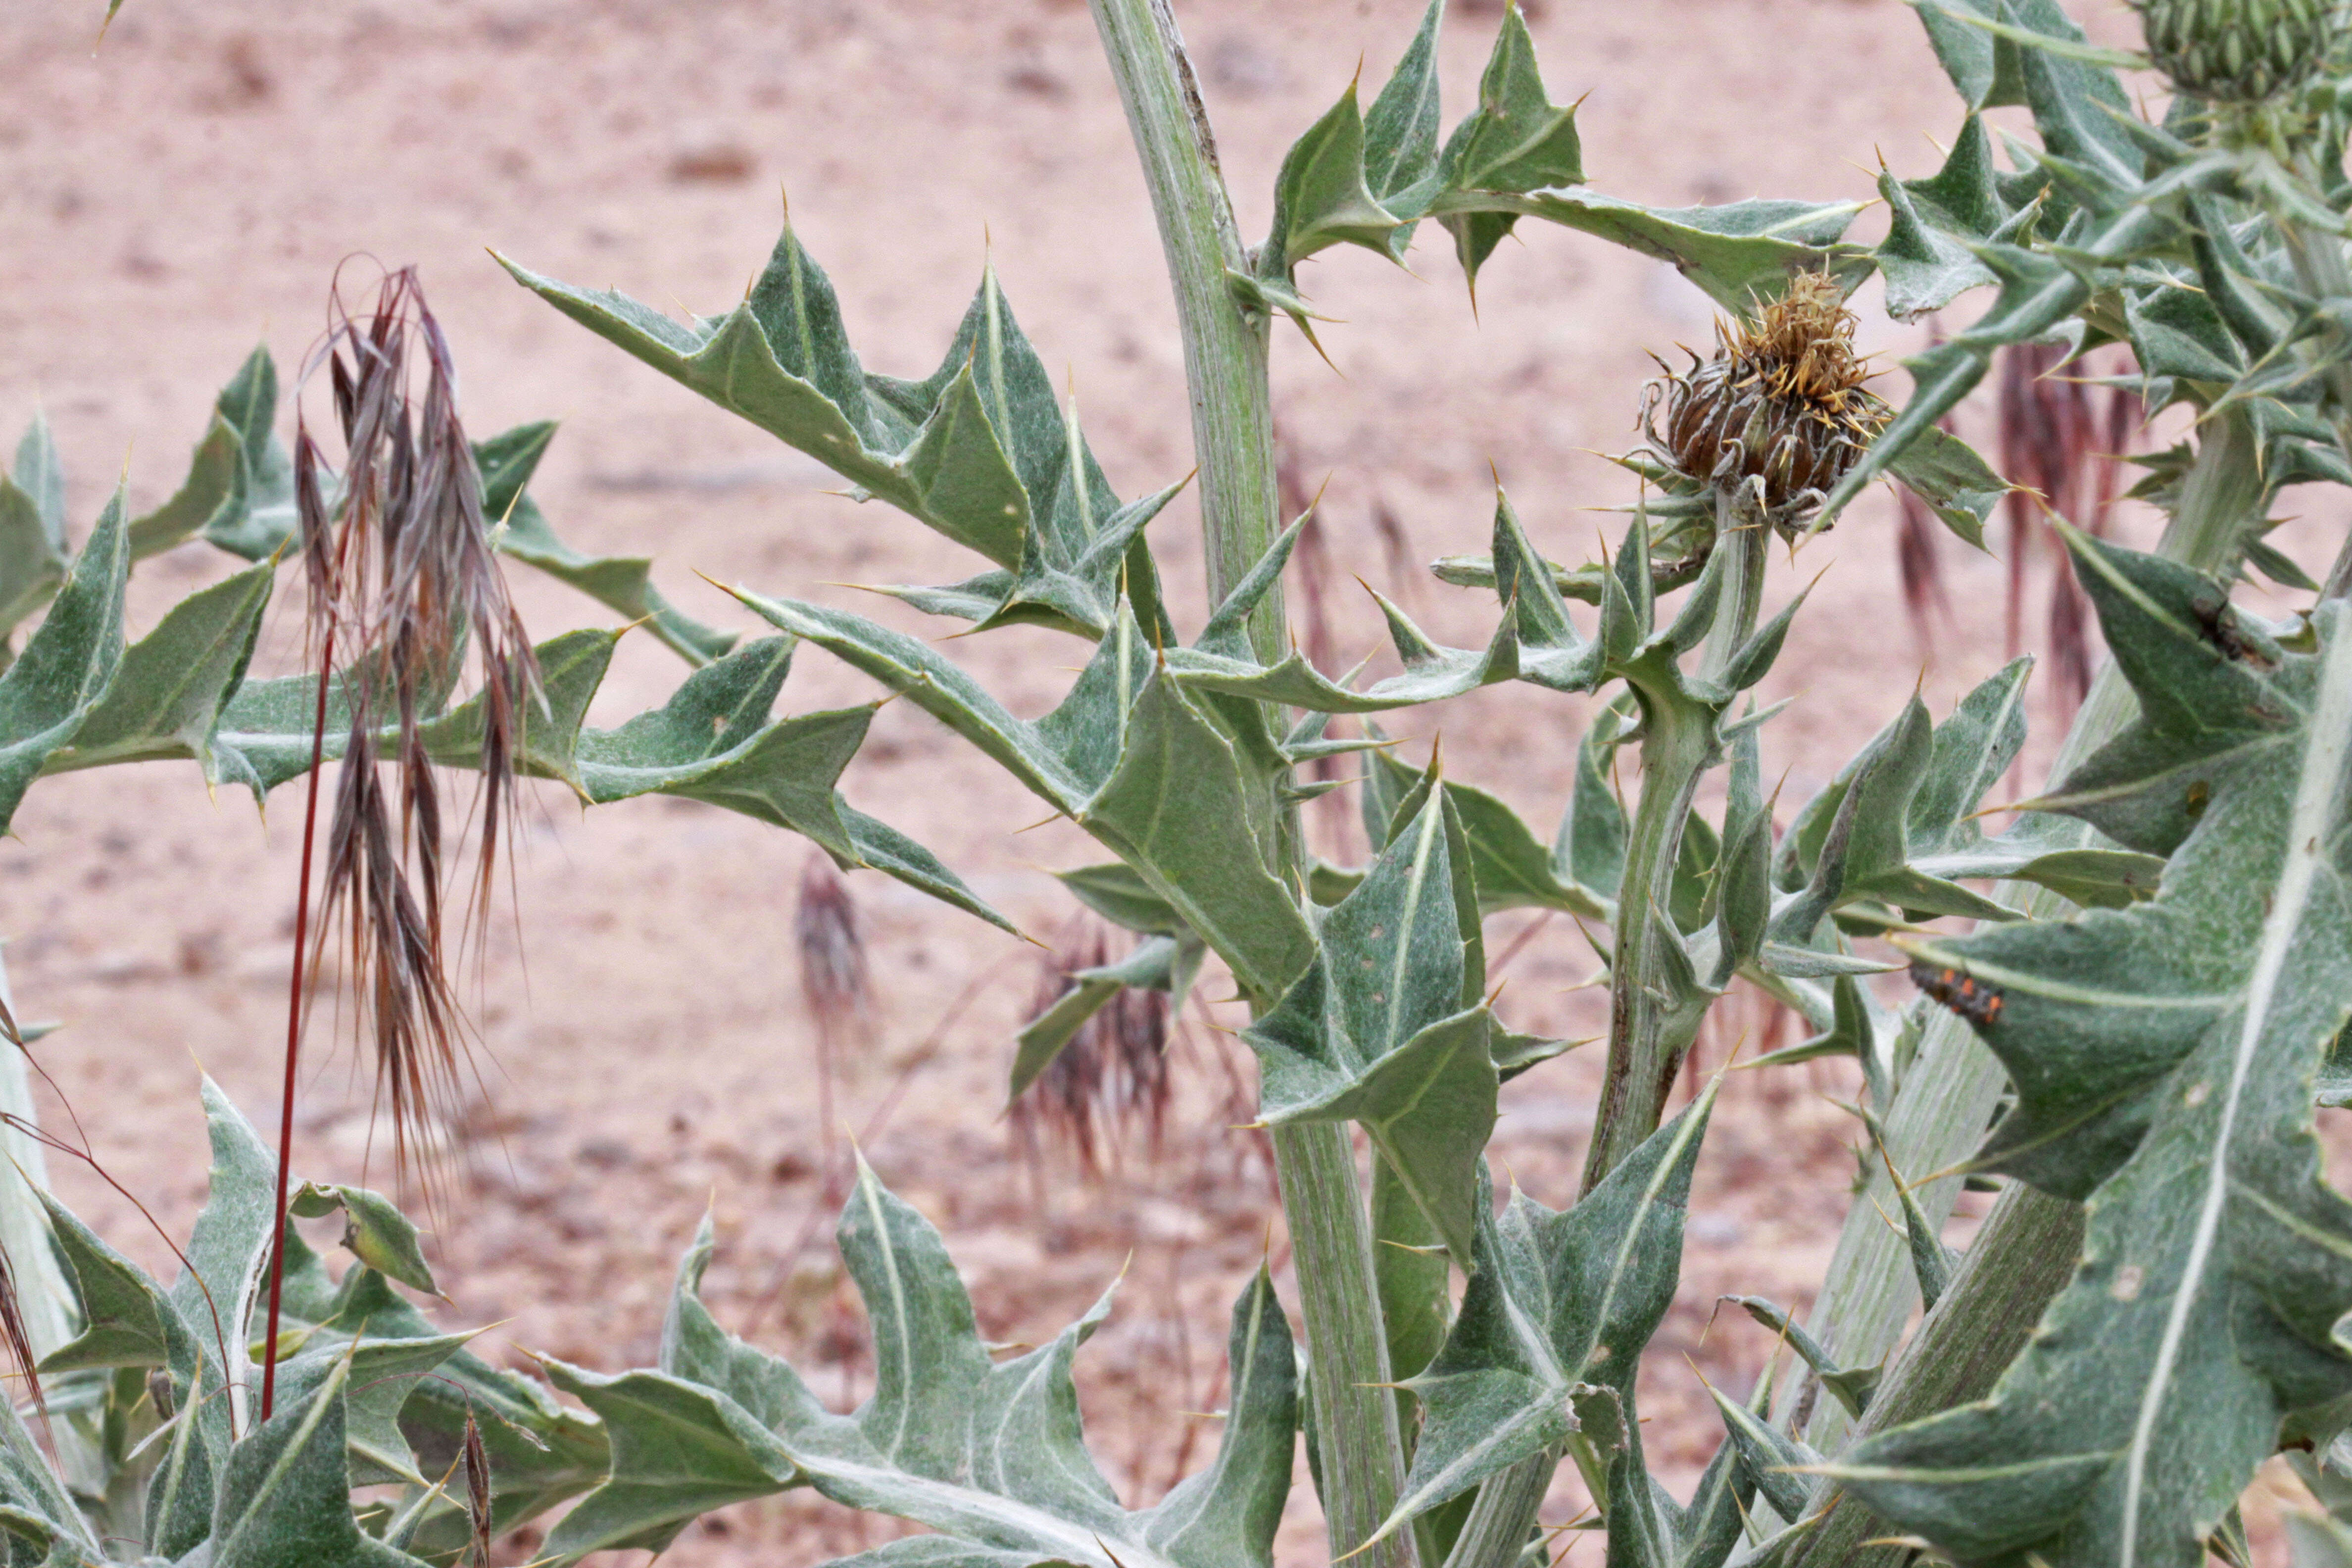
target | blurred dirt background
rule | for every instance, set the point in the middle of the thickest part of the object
(190, 189)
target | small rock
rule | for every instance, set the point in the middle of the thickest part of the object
(604, 1153)
(719, 164)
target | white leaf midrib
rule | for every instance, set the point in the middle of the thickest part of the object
(2318, 792)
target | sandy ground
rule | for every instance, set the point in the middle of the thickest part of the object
(190, 189)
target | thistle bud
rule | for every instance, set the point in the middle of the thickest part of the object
(2241, 51)
(1781, 402)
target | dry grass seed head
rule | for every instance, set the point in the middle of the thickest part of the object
(405, 593)
(834, 973)
(1111, 1082)
(2061, 440)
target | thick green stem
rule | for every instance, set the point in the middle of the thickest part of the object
(1224, 347)
(1356, 1432)
(1232, 433)
(2023, 1257)
(1650, 1022)
(1496, 1533)
(1940, 1113)
(1740, 529)
(1645, 1051)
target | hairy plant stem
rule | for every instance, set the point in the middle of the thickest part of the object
(1940, 1112)
(2023, 1257)
(1225, 349)
(1496, 1533)
(1650, 1027)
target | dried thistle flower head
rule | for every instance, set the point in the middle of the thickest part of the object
(2241, 52)
(1781, 402)
(405, 593)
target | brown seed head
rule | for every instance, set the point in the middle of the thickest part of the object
(1782, 402)
(405, 593)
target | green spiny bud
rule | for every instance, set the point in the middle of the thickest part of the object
(2241, 51)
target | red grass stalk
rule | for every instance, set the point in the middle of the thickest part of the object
(403, 575)
(294, 1032)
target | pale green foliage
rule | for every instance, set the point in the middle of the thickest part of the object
(988, 1453)
(2164, 1031)
(164, 1375)
(1388, 1026)
(1367, 981)
(1556, 1302)
(2163, 1057)
(78, 698)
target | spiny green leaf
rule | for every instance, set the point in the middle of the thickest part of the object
(285, 1496)
(1554, 1300)
(678, 1451)
(1517, 141)
(67, 664)
(1551, 652)
(126, 1319)
(990, 1456)
(977, 451)
(383, 1372)
(1769, 1457)
(622, 582)
(215, 470)
(1179, 808)
(167, 699)
(2212, 705)
(256, 517)
(1981, 65)
(1512, 868)
(1861, 837)
(40, 473)
(238, 492)
(1928, 255)
(378, 1234)
(714, 741)
(32, 527)
(1400, 131)
(1320, 197)
(1163, 964)
(1384, 1026)
(2078, 105)
(1739, 254)
(1959, 486)
(933, 684)
(1120, 895)
(2164, 1059)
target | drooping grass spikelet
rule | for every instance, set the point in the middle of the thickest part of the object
(835, 981)
(2061, 441)
(406, 594)
(1111, 1082)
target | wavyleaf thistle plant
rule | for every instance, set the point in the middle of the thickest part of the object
(2127, 1006)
